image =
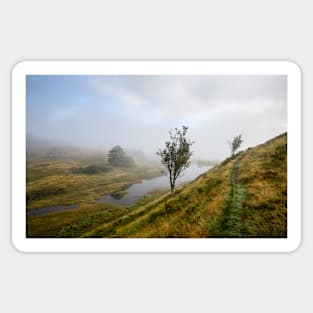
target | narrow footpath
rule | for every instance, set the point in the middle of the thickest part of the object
(232, 223)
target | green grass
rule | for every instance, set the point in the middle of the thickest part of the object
(72, 222)
(231, 222)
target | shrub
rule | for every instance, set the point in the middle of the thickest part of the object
(91, 169)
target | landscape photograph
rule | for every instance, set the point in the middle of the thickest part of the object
(156, 156)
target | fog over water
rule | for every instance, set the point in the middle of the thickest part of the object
(137, 112)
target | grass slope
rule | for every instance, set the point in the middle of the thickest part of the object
(245, 196)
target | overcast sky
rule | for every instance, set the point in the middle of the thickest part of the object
(137, 112)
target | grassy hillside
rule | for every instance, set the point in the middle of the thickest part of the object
(244, 196)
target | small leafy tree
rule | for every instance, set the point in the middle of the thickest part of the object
(235, 144)
(176, 154)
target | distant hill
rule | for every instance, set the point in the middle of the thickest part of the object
(36, 143)
(244, 196)
(37, 148)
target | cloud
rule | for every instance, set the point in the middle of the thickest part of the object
(138, 111)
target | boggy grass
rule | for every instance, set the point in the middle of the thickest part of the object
(53, 183)
(56, 184)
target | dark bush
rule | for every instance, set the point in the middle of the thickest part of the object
(92, 169)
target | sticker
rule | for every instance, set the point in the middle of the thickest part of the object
(156, 156)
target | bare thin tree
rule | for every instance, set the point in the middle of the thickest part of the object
(235, 144)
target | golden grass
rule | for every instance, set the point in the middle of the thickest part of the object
(264, 173)
(195, 210)
(194, 207)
